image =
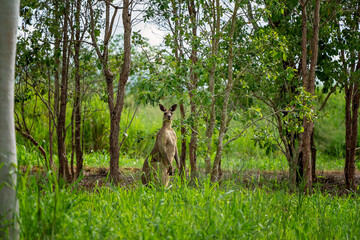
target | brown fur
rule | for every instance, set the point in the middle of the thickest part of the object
(158, 165)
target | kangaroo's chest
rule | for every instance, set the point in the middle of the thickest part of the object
(167, 139)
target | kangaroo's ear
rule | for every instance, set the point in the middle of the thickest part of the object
(173, 107)
(162, 108)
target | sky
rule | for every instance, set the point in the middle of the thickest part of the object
(151, 32)
(148, 30)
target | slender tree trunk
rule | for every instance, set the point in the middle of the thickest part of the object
(183, 142)
(51, 128)
(176, 9)
(118, 107)
(214, 51)
(309, 86)
(61, 127)
(57, 63)
(193, 139)
(304, 72)
(77, 96)
(352, 97)
(9, 210)
(313, 156)
(216, 171)
(115, 107)
(72, 172)
(192, 93)
(57, 80)
(114, 149)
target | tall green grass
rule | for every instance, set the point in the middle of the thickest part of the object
(204, 211)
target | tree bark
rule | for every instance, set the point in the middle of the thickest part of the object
(304, 72)
(309, 86)
(313, 156)
(192, 93)
(57, 80)
(214, 52)
(216, 171)
(352, 97)
(115, 106)
(124, 76)
(77, 95)
(50, 163)
(178, 42)
(9, 209)
(61, 127)
(183, 142)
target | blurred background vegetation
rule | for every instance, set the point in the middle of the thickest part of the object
(243, 153)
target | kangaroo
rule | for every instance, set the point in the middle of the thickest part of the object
(158, 165)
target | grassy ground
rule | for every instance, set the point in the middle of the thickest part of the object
(182, 211)
(253, 202)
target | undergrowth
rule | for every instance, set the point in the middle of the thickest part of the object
(49, 210)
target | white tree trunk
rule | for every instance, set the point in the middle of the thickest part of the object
(9, 11)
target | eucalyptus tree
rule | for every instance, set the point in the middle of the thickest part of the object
(213, 17)
(225, 118)
(79, 36)
(9, 14)
(115, 101)
(295, 83)
(64, 170)
(308, 78)
(339, 68)
(348, 45)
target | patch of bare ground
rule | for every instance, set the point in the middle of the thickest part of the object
(328, 182)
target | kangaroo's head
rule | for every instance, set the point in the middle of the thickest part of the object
(168, 114)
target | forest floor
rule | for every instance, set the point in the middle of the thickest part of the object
(327, 182)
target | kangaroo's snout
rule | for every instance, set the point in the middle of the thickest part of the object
(168, 115)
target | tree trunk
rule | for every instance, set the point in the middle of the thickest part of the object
(216, 171)
(183, 142)
(305, 147)
(72, 172)
(115, 107)
(193, 138)
(178, 55)
(114, 149)
(57, 81)
(77, 95)
(352, 97)
(309, 86)
(61, 127)
(214, 50)
(118, 107)
(192, 94)
(9, 209)
(313, 156)
(51, 128)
